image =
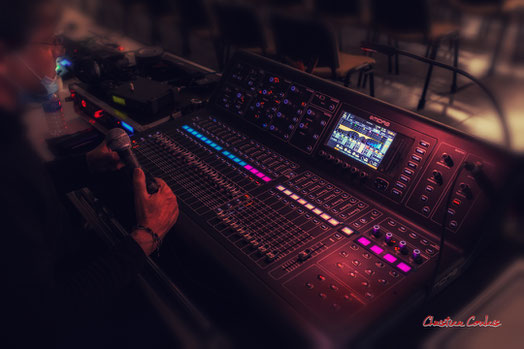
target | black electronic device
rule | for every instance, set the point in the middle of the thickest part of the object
(326, 203)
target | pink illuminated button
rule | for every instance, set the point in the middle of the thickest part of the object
(253, 171)
(260, 174)
(248, 167)
(390, 258)
(404, 267)
(363, 241)
(266, 179)
(377, 249)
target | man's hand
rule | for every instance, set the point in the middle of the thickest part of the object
(158, 211)
(103, 159)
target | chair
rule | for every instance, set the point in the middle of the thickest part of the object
(410, 21)
(488, 10)
(237, 26)
(314, 43)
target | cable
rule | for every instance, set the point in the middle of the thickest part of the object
(389, 50)
(442, 241)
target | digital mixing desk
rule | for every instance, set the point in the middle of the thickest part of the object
(330, 203)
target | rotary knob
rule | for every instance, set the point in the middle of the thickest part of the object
(416, 256)
(389, 238)
(448, 160)
(403, 247)
(437, 176)
(376, 230)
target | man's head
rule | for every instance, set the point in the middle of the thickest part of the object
(28, 48)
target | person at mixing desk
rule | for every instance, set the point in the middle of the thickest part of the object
(35, 301)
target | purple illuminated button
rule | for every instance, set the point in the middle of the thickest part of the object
(390, 258)
(377, 249)
(363, 241)
(404, 267)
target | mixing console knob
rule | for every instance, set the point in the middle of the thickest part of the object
(346, 166)
(363, 175)
(329, 157)
(437, 176)
(448, 160)
(354, 171)
(403, 247)
(416, 256)
(466, 190)
(338, 162)
(376, 230)
(389, 239)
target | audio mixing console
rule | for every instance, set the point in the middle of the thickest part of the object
(335, 202)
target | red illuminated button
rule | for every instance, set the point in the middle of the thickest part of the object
(321, 277)
(456, 202)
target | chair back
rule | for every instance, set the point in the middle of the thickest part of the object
(306, 40)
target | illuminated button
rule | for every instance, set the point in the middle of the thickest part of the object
(321, 277)
(333, 287)
(310, 207)
(382, 281)
(348, 231)
(302, 201)
(408, 172)
(416, 158)
(295, 197)
(309, 285)
(363, 241)
(404, 178)
(356, 262)
(396, 192)
(322, 295)
(424, 144)
(390, 258)
(456, 202)
(423, 198)
(333, 222)
(429, 188)
(376, 249)
(325, 216)
(369, 272)
(317, 211)
(394, 273)
(400, 185)
(426, 210)
(412, 165)
(420, 151)
(404, 267)
(453, 224)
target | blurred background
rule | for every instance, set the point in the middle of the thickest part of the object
(482, 37)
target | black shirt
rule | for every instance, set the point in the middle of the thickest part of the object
(34, 299)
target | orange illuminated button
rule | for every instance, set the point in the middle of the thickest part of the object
(347, 231)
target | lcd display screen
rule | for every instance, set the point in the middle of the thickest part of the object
(361, 139)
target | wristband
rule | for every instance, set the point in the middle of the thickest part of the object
(157, 241)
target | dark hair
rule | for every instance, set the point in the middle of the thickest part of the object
(17, 21)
